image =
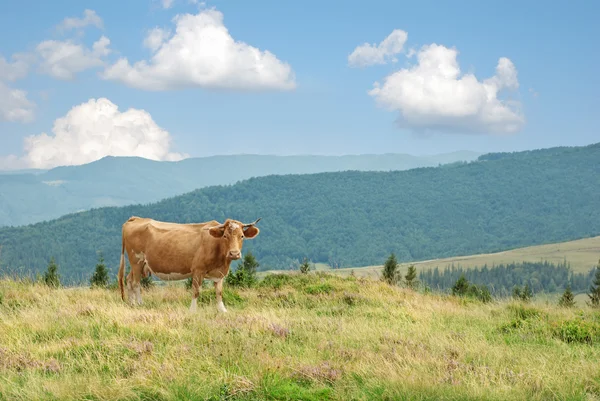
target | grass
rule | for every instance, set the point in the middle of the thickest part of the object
(293, 337)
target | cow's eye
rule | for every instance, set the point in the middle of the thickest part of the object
(242, 237)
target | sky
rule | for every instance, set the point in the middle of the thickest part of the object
(170, 79)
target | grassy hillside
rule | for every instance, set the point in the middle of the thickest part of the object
(355, 218)
(297, 338)
(581, 254)
(32, 196)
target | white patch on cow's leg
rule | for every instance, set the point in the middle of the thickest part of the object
(194, 305)
(138, 293)
(219, 295)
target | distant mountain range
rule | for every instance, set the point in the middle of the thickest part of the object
(353, 218)
(30, 196)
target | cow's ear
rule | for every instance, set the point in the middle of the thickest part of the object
(251, 232)
(217, 232)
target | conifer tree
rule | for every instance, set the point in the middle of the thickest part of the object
(594, 293)
(567, 300)
(245, 274)
(51, 277)
(390, 270)
(411, 276)
(100, 276)
(305, 266)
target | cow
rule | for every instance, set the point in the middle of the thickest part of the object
(173, 251)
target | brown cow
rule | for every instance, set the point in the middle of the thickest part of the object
(173, 251)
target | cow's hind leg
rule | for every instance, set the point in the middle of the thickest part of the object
(130, 291)
(197, 280)
(219, 294)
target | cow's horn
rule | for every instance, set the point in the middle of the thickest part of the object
(251, 224)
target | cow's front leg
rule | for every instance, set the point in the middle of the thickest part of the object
(197, 280)
(219, 293)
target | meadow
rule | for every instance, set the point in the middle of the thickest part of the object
(292, 337)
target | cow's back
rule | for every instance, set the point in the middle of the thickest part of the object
(166, 246)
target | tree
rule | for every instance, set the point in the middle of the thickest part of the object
(245, 274)
(527, 293)
(461, 287)
(567, 300)
(411, 276)
(594, 293)
(305, 266)
(390, 270)
(100, 276)
(51, 277)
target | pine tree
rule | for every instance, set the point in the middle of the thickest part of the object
(245, 274)
(527, 293)
(594, 293)
(411, 276)
(461, 287)
(567, 300)
(100, 276)
(51, 277)
(305, 266)
(390, 270)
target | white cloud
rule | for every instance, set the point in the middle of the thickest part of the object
(64, 59)
(17, 69)
(14, 105)
(367, 54)
(89, 18)
(155, 38)
(433, 95)
(202, 53)
(95, 129)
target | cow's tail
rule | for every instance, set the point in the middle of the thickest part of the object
(121, 275)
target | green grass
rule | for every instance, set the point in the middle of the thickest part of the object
(293, 337)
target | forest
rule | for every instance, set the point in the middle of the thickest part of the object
(349, 219)
(541, 277)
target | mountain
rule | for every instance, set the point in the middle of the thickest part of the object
(30, 196)
(355, 218)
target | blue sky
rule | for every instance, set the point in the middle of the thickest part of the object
(309, 97)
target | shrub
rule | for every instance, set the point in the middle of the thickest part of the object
(463, 288)
(577, 331)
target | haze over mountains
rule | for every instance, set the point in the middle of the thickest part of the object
(36, 195)
(347, 219)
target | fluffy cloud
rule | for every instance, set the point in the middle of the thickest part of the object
(433, 95)
(367, 54)
(17, 69)
(14, 105)
(89, 18)
(202, 53)
(95, 129)
(155, 38)
(64, 59)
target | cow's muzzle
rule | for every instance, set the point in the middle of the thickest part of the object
(234, 255)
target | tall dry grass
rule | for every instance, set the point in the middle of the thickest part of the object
(314, 337)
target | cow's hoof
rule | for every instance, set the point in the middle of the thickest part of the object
(221, 307)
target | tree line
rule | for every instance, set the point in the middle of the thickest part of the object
(503, 278)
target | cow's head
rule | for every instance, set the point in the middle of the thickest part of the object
(233, 233)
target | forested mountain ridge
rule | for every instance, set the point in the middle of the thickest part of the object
(31, 196)
(356, 218)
